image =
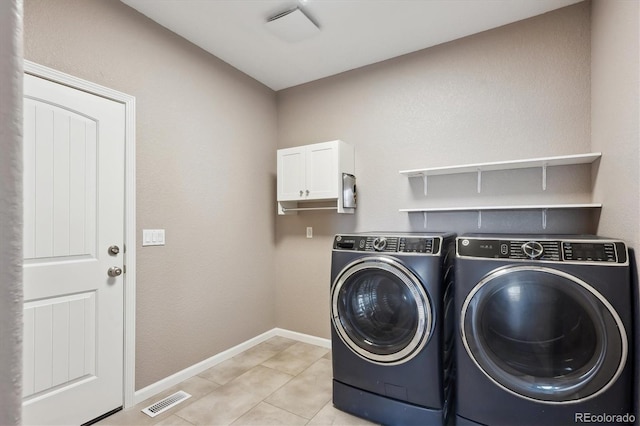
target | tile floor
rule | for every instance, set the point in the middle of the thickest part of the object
(277, 382)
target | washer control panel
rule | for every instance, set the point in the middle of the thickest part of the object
(579, 250)
(388, 244)
(600, 252)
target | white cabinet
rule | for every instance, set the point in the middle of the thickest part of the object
(312, 173)
(308, 172)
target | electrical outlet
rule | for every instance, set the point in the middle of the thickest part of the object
(309, 232)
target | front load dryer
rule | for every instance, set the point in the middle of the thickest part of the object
(544, 332)
(392, 326)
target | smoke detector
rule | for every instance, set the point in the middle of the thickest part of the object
(292, 25)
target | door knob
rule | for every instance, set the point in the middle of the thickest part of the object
(114, 271)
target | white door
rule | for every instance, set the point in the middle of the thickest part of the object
(73, 213)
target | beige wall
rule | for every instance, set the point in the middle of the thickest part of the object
(203, 132)
(518, 91)
(10, 212)
(615, 115)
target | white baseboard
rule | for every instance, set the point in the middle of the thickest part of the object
(180, 376)
(301, 337)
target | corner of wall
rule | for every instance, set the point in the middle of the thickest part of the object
(615, 112)
(10, 211)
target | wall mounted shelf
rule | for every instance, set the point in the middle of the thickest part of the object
(479, 209)
(514, 207)
(542, 162)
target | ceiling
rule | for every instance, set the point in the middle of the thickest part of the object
(353, 33)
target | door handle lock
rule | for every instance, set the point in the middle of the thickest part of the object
(114, 250)
(114, 271)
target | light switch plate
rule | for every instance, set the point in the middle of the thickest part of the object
(153, 237)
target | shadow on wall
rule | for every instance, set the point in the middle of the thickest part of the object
(324, 223)
(551, 221)
(583, 221)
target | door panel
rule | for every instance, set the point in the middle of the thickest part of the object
(60, 176)
(291, 169)
(73, 211)
(61, 341)
(322, 171)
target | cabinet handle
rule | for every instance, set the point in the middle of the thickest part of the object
(307, 192)
(301, 192)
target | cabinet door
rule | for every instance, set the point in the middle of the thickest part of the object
(291, 174)
(322, 171)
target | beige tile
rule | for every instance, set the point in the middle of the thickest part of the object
(300, 348)
(173, 421)
(266, 414)
(220, 407)
(228, 402)
(241, 363)
(226, 370)
(194, 386)
(234, 391)
(296, 358)
(262, 381)
(306, 393)
(330, 416)
(265, 350)
(280, 343)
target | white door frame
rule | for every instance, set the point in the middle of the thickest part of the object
(130, 209)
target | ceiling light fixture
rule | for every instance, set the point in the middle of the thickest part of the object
(292, 25)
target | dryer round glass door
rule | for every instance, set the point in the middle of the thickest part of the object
(381, 310)
(543, 334)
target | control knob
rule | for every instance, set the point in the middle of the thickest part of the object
(379, 243)
(533, 249)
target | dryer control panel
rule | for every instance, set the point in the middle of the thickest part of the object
(561, 250)
(388, 243)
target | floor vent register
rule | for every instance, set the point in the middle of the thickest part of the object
(166, 403)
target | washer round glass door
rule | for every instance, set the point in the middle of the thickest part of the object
(543, 334)
(381, 310)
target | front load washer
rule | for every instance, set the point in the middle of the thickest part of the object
(392, 326)
(544, 332)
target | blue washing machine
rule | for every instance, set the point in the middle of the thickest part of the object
(544, 331)
(392, 327)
